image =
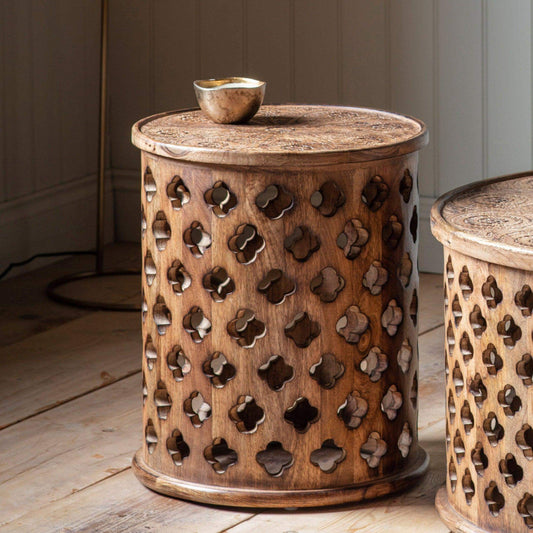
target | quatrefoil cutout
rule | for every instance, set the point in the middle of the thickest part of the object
(218, 284)
(218, 369)
(451, 406)
(466, 348)
(477, 321)
(405, 440)
(178, 277)
(301, 414)
(413, 393)
(328, 456)
(161, 231)
(413, 307)
(352, 325)
(177, 448)
(450, 274)
(220, 456)
(196, 324)
(375, 277)
(220, 199)
(478, 390)
(392, 318)
(328, 199)
(274, 201)
(524, 440)
(275, 459)
(353, 410)
(494, 499)
(413, 224)
(374, 364)
(392, 232)
(373, 449)
(405, 355)
(246, 243)
(452, 475)
(524, 369)
(162, 315)
(178, 363)
(352, 239)
(196, 239)
(150, 353)
(512, 472)
(150, 270)
(245, 328)
(457, 378)
(197, 409)
(302, 243)
(509, 400)
(302, 330)
(491, 292)
(276, 286)
(458, 447)
(469, 488)
(150, 436)
(467, 418)
(178, 194)
(524, 300)
(276, 373)
(162, 401)
(492, 359)
(493, 429)
(327, 371)
(525, 509)
(509, 331)
(406, 186)
(327, 284)
(246, 414)
(149, 184)
(479, 459)
(374, 193)
(392, 402)
(405, 268)
(144, 390)
(465, 283)
(144, 308)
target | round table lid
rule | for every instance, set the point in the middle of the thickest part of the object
(282, 135)
(491, 220)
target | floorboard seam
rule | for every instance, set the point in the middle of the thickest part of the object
(239, 523)
(72, 398)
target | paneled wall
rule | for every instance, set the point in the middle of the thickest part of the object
(49, 57)
(462, 66)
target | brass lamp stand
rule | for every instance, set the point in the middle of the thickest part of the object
(99, 271)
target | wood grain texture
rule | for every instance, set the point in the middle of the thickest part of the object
(489, 220)
(280, 135)
(489, 373)
(367, 215)
(73, 441)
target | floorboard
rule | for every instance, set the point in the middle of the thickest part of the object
(70, 409)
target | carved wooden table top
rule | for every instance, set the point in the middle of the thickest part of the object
(491, 220)
(281, 134)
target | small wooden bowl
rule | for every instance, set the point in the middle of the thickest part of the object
(230, 100)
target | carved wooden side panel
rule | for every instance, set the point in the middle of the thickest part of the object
(280, 324)
(489, 393)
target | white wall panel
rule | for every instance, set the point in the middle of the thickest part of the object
(508, 87)
(270, 22)
(460, 106)
(412, 59)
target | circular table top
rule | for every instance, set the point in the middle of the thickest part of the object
(491, 220)
(281, 135)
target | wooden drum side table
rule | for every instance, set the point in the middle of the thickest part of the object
(487, 232)
(280, 306)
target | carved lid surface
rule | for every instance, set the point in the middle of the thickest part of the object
(491, 220)
(282, 135)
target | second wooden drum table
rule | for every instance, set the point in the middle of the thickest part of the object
(280, 306)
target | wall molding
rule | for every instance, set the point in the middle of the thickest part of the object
(53, 219)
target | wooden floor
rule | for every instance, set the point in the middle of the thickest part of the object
(70, 421)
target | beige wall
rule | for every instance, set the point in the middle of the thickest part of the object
(463, 66)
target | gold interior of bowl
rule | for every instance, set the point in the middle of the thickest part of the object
(219, 83)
